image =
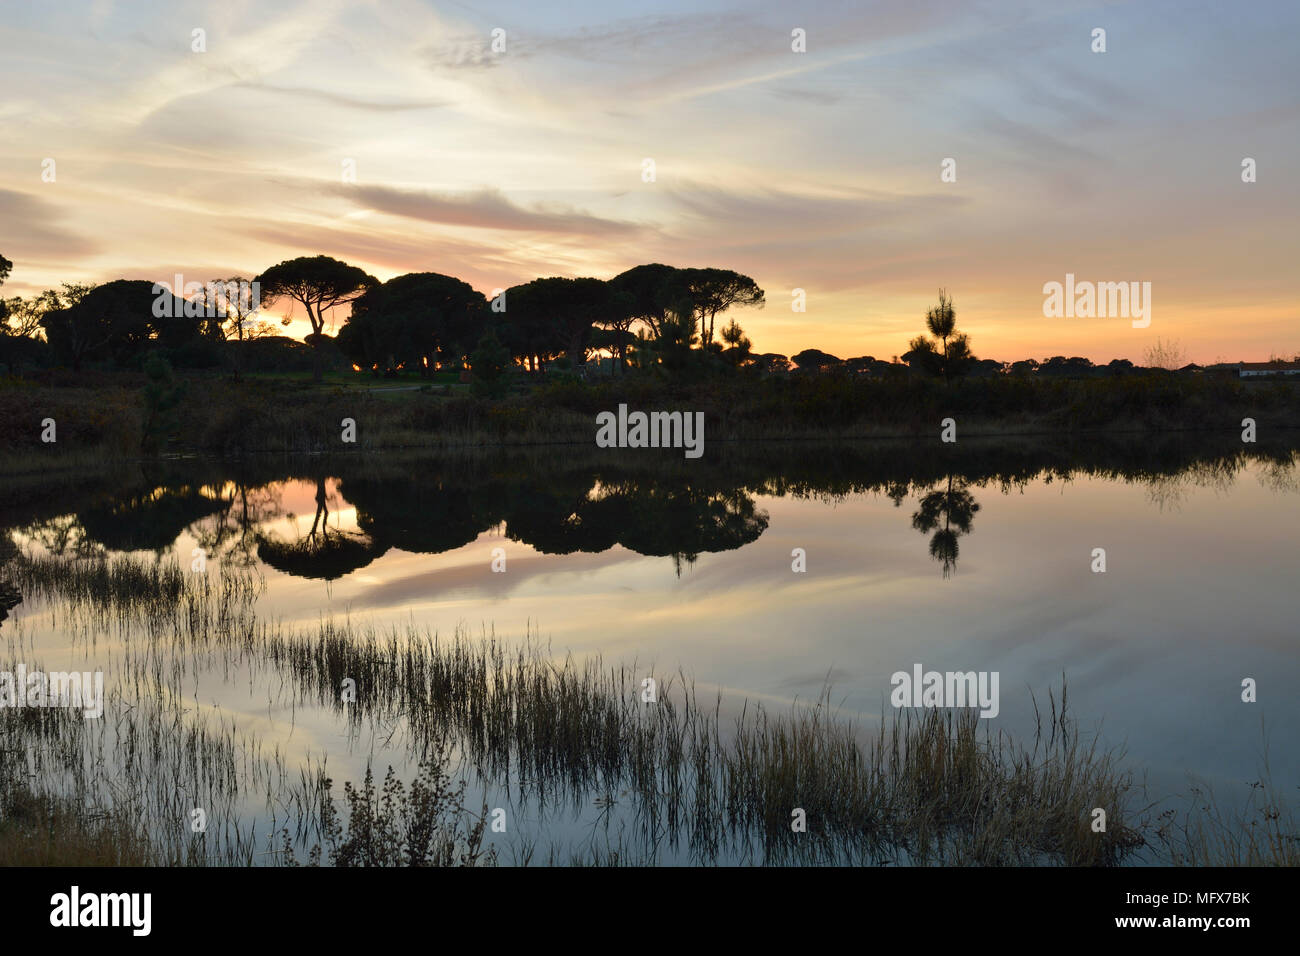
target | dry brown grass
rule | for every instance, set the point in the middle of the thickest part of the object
(47, 830)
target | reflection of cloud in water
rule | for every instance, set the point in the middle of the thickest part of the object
(478, 578)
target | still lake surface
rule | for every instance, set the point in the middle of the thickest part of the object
(980, 561)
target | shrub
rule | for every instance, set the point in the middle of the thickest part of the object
(427, 825)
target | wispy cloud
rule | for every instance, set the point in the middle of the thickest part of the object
(484, 209)
(764, 211)
(33, 231)
(335, 98)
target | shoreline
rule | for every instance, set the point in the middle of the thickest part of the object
(215, 417)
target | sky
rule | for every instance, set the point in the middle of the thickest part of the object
(394, 136)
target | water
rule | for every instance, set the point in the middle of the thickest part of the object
(978, 560)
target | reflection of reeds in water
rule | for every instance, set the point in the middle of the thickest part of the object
(928, 787)
(128, 588)
(124, 786)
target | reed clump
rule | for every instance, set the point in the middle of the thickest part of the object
(1262, 831)
(932, 787)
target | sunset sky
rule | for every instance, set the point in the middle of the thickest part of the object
(816, 170)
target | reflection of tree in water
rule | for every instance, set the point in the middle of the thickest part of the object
(9, 599)
(422, 516)
(554, 505)
(896, 491)
(233, 534)
(558, 514)
(147, 521)
(1169, 492)
(61, 535)
(560, 520)
(322, 552)
(555, 514)
(147, 515)
(954, 507)
(682, 522)
(9, 596)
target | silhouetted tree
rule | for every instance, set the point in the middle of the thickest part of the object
(771, 363)
(814, 360)
(20, 321)
(527, 331)
(1059, 365)
(415, 320)
(648, 293)
(616, 341)
(951, 355)
(235, 311)
(117, 320)
(319, 283)
(669, 349)
(559, 313)
(739, 349)
(713, 291)
(24, 320)
(5, 268)
(617, 321)
(22, 317)
(490, 363)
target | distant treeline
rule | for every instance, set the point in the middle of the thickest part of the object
(419, 322)
(658, 319)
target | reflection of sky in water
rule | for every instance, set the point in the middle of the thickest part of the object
(1198, 595)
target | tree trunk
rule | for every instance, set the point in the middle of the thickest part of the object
(577, 354)
(317, 359)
